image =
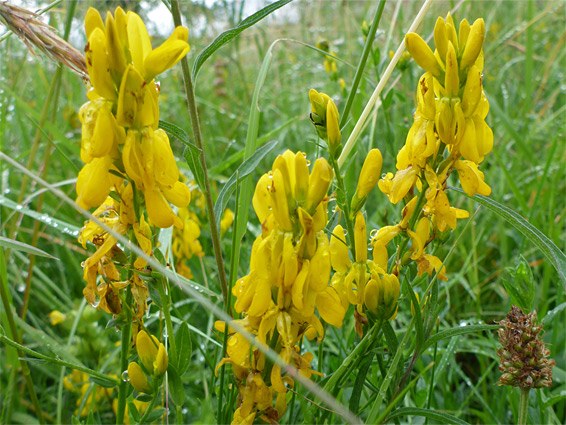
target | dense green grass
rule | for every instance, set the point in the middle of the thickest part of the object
(524, 80)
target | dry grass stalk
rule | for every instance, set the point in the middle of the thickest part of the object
(36, 34)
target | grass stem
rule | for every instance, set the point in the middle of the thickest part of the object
(523, 406)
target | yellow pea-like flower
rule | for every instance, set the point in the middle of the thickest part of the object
(147, 347)
(371, 171)
(472, 91)
(474, 44)
(92, 20)
(301, 178)
(160, 363)
(451, 80)
(168, 54)
(333, 127)
(371, 296)
(94, 182)
(471, 178)
(98, 64)
(319, 182)
(360, 238)
(441, 38)
(138, 379)
(339, 256)
(422, 54)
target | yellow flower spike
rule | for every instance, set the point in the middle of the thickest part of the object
(339, 256)
(93, 183)
(474, 44)
(371, 296)
(319, 182)
(333, 127)
(98, 64)
(330, 307)
(92, 20)
(160, 363)
(116, 55)
(138, 379)
(371, 171)
(451, 80)
(301, 178)
(471, 178)
(422, 54)
(360, 238)
(147, 347)
(320, 264)
(472, 91)
(463, 34)
(278, 194)
(441, 38)
(168, 54)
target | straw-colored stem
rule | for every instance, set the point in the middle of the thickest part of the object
(380, 86)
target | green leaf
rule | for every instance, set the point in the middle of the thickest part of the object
(427, 413)
(184, 347)
(154, 416)
(230, 34)
(247, 167)
(24, 247)
(521, 287)
(176, 388)
(459, 330)
(133, 412)
(553, 313)
(192, 152)
(102, 382)
(539, 239)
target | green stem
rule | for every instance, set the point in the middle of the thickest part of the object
(197, 136)
(343, 203)
(362, 63)
(124, 354)
(524, 406)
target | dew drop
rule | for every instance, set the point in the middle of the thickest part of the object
(125, 376)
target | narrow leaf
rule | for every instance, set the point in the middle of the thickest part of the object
(176, 388)
(459, 330)
(24, 247)
(539, 239)
(247, 167)
(184, 348)
(230, 34)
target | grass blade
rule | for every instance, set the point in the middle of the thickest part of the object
(24, 247)
(437, 417)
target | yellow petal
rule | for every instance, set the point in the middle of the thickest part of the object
(422, 54)
(319, 182)
(339, 250)
(441, 38)
(261, 199)
(179, 195)
(301, 178)
(320, 265)
(168, 54)
(130, 97)
(472, 91)
(92, 20)
(330, 307)
(138, 40)
(333, 127)
(138, 379)
(370, 174)
(160, 363)
(98, 65)
(452, 80)
(93, 183)
(116, 55)
(159, 211)
(474, 44)
(147, 347)
(360, 237)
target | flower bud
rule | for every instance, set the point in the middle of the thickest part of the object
(474, 44)
(422, 54)
(160, 363)
(371, 171)
(147, 346)
(360, 237)
(138, 379)
(333, 128)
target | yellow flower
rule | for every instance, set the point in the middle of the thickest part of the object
(151, 353)
(56, 317)
(371, 170)
(325, 117)
(227, 220)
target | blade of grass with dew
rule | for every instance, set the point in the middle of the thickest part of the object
(539, 239)
(313, 388)
(24, 247)
(457, 331)
(438, 417)
(230, 34)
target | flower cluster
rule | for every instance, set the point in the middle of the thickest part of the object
(523, 356)
(288, 281)
(125, 153)
(449, 133)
